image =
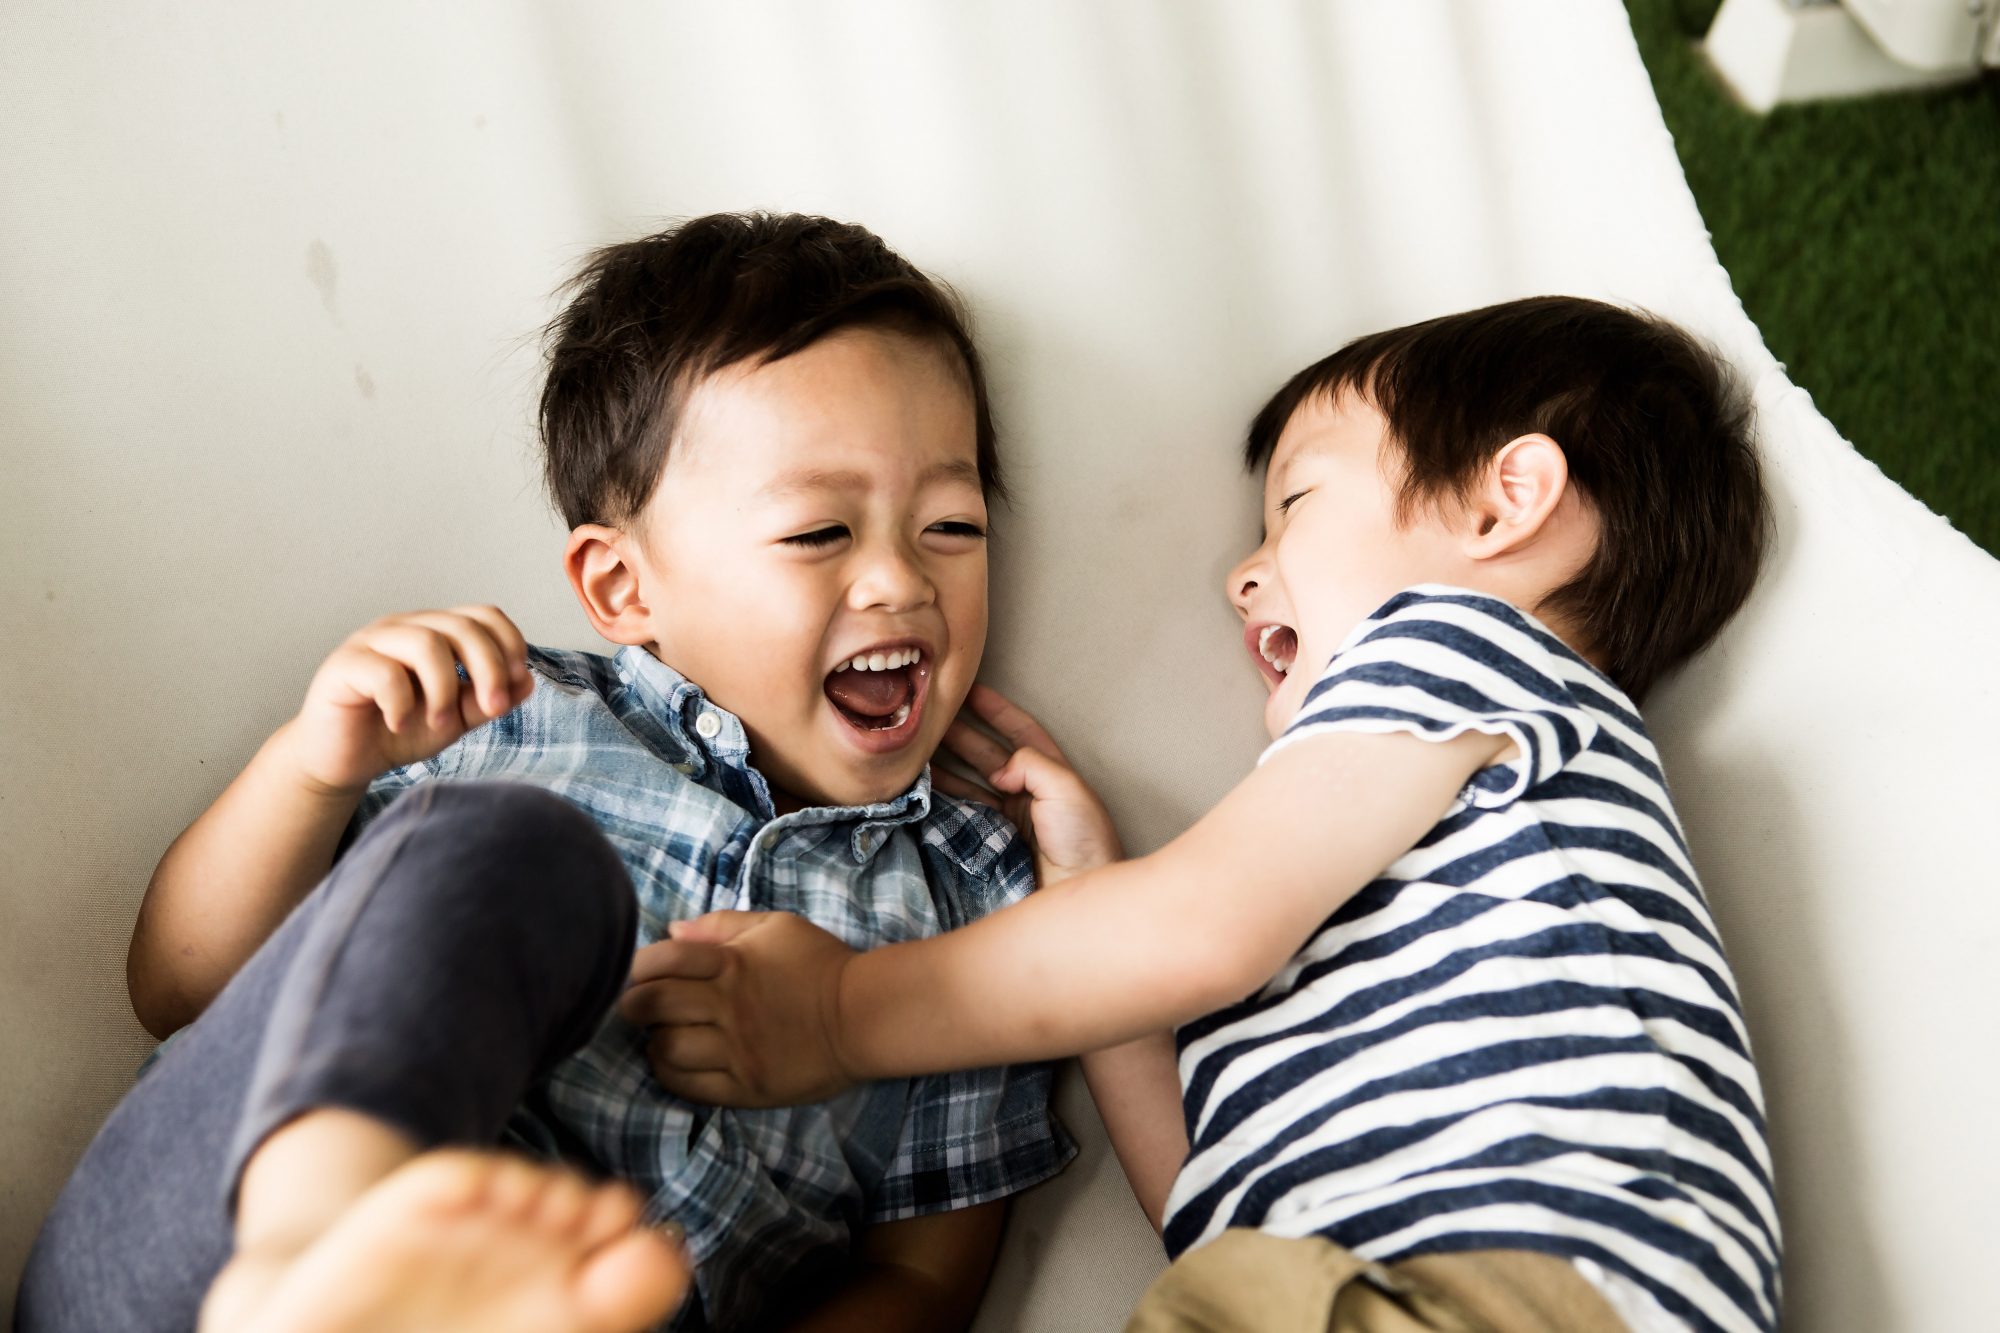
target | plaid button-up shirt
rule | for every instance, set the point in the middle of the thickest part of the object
(770, 1199)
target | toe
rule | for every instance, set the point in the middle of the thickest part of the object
(447, 1180)
(632, 1283)
(565, 1198)
(516, 1187)
(614, 1209)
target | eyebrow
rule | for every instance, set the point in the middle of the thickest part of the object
(1263, 521)
(821, 479)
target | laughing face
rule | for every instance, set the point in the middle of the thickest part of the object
(1334, 549)
(814, 558)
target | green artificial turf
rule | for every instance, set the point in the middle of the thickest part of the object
(1864, 239)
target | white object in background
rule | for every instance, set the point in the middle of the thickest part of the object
(1942, 35)
(1772, 51)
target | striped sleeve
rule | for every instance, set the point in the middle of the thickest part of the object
(1437, 663)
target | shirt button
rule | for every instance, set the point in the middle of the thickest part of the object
(708, 726)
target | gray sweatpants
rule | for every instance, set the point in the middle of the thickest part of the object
(473, 936)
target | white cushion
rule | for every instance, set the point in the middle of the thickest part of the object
(267, 369)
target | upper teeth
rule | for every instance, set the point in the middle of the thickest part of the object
(1283, 664)
(902, 657)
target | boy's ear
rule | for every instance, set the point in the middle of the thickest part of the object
(1520, 490)
(605, 578)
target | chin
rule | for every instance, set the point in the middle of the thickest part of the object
(1279, 710)
(885, 787)
(860, 785)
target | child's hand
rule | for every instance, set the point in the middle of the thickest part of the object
(742, 1009)
(391, 695)
(1032, 784)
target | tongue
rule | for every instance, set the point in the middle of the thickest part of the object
(870, 693)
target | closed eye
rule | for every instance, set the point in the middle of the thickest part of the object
(817, 537)
(1285, 504)
(957, 529)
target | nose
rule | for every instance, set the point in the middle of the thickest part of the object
(889, 578)
(1243, 581)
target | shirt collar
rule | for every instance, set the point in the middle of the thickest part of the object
(718, 734)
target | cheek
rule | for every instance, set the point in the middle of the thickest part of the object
(961, 594)
(775, 621)
(963, 589)
(1344, 572)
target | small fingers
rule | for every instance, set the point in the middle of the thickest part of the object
(964, 788)
(692, 1048)
(708, 1087)
(427, 656)
(513, 646)
(518, 682)
(1035, 772)
(981, 753)
(651, 1003)
(688, 960)
(1012, 721)
(719, 927)
(486, 664)
(370, 677)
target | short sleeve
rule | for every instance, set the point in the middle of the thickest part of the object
(1438, 662)
(972, 1137)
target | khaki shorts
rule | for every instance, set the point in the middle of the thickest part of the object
(1247, 1282)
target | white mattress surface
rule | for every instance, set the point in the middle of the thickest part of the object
(272, 275)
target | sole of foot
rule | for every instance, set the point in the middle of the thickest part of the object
(462, 1242)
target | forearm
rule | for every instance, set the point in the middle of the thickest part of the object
(1094, 962)
(1143, 945)
(226, 883)
(1138, 1093)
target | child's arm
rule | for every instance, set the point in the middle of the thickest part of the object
(921, 1275)
(775, 1011)
(390, 695)
(1136, 1086)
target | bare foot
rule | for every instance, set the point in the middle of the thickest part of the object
(461, 1242)
(308, 1172)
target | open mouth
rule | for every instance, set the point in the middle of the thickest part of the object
(1275, 648)
(880, 694)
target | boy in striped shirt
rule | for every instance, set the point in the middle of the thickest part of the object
(1458, 1044)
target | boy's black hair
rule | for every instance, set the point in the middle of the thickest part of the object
(1656, 432)
(649, 319)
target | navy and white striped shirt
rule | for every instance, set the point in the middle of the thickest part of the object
(770, 1199)
(1524, 1033)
